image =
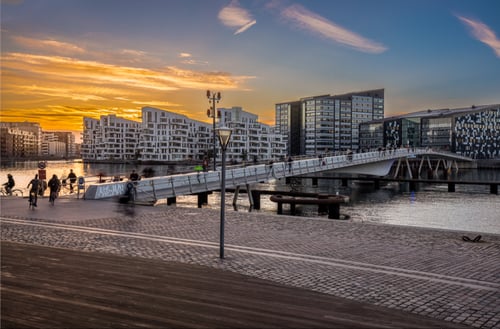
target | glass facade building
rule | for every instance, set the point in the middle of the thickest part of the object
(472, 131)
(324, 124)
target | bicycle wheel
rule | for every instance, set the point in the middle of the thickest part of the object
(17, 193)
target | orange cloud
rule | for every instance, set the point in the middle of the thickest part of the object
(43, 88)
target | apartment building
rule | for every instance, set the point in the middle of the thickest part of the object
(20, 140)
(110, 138)
(168, 136)
(164, 136)
(322, 124)
(250, 139)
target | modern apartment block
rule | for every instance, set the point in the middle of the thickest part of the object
(471, 131)
(164, 136)
(110, 138)
(168, 136)
(322, 124)
(250, 139)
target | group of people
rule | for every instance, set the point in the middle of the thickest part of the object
(37, 186)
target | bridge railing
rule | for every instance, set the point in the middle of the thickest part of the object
(191, 183)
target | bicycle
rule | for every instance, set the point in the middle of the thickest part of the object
(11, 192)
(53, 196)
(32, 200)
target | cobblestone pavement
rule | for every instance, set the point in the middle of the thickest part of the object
(424, 271)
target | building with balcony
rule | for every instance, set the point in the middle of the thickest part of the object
(20, 140)
(110, 139)
(250, 139)
(168, 136)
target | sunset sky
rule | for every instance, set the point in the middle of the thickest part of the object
(65, 59)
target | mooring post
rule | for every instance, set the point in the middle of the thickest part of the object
(494, 189)
(451, 187)
(280, 208)
(202, 199)
(171, 200)
(344, 182)
(322, 208)
(314, 181)
(334, 211)
(256, 199)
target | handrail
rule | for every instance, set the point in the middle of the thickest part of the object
(186, 183)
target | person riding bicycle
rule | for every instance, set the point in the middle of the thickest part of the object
(72, 180)
(35, 187)
(10, 184)
(54, 186)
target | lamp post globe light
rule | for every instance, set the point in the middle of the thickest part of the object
(224, 135)
(213, 97)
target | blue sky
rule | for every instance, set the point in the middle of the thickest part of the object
(65, 59)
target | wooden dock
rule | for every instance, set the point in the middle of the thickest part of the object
(44, 287)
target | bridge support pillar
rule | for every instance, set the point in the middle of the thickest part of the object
(171, 200)
(451, 187)
(344, 182)
(413, 186)
(315, 181)
(376, 184)
(494, 189)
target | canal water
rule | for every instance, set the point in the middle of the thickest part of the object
(470, 208)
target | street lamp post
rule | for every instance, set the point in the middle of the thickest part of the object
(213, 97)
(224, 135)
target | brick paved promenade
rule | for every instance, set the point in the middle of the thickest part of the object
(432, 273)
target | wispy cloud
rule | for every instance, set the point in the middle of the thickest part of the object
(188, 59)
(236, 17)
(483, 33)
(54, 46)
(320, 26)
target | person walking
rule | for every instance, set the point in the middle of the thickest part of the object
(72, 180)
(54, 186)
(35, 187)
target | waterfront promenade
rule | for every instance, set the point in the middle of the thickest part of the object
(115, 266)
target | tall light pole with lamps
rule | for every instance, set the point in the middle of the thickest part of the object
(224, 135)
(213, 97)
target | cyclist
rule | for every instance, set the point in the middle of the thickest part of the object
(54, 186)
(72, 180)
(35, 186)
(10, 184)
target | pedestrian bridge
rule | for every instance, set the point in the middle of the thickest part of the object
(370, 163)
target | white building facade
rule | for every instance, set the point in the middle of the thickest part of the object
(110, 139)
(164, 136)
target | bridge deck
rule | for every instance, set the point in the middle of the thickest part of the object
(375, 163)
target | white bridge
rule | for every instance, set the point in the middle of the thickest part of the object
(370, 163)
